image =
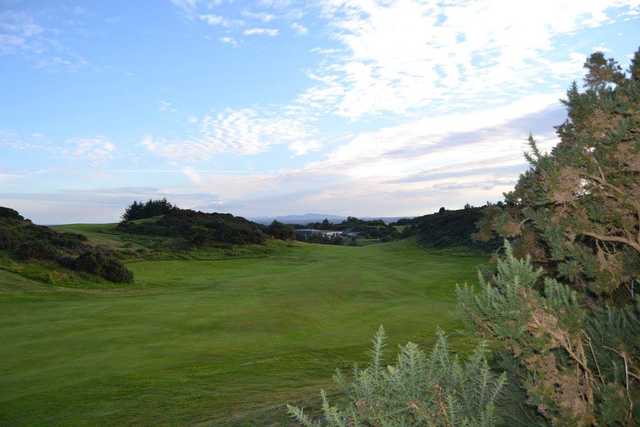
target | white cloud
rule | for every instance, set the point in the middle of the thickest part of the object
(260, 16)
(167, 107)
(245, 132)
(96, 150)
(20, 34)
(270, 32)
(214, 20)
(229, 40)
(299, 28)
(187, 6)
(442, 52)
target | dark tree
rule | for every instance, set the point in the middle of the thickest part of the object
(281, 231)
(149, 209)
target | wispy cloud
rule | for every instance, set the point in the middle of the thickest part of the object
(244, 131)
(96, 150)
(19, 31)
(299, 28)
(446, 51)
(214, 20)
(260, 16)
(167, 107)
(20, 34)
(270, 32)
(229, 40)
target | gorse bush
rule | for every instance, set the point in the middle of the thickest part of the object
(576, 364)
(418, 390)
(26, 241)
(198, 228)
(569, 341)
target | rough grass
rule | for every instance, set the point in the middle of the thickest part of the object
(215, 342)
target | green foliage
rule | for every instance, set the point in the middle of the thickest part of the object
(452, 228)
(281, 231)
(28, 242)
(575, 364)
(571, 343)
(197, 228)
(577, 210)
(100, 264)
(419, 390)
(149, 209)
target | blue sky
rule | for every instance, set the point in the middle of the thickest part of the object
(271, 107)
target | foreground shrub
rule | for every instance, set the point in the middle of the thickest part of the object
(573, 364)
(567, 331)
(419, 390)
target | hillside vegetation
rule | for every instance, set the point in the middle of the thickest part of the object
(188, 228)
(25, 246)
(452, 228)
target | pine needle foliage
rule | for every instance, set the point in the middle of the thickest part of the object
(434, 390)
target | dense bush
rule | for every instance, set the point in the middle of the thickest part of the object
(452, 228)
(100, 264)
(35, 249)
(8, 213)
(281, 231)
(27, 241)
(198, 228)
(571, 342)
(419, 390)
(148, 209)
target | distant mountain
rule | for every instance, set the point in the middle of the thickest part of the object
(299, 219)
(315, 217)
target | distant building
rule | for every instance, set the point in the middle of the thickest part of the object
(306, 233)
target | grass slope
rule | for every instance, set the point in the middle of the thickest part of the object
(214, 342)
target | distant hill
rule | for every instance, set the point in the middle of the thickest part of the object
(309, 218)
(299, 219)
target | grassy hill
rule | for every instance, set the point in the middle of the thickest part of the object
(220, 336)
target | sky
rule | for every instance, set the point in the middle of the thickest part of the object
(275, 107)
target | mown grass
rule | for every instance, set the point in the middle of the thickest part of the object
(216, 342)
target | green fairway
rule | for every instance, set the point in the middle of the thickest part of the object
(211, 341)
